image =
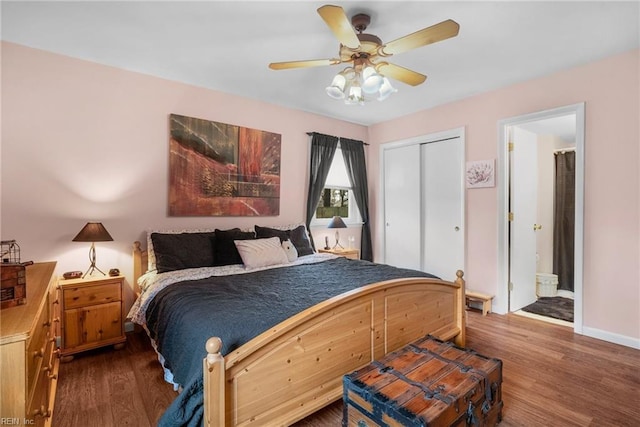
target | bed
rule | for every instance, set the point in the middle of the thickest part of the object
(294, 365)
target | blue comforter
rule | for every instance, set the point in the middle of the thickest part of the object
(238, 308)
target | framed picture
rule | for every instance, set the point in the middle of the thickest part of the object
(218, 169)
(480, 173)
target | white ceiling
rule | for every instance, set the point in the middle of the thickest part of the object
(227, 46)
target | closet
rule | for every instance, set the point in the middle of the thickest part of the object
(423, 203)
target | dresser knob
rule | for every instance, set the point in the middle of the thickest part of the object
(39, 353)
(42, 412)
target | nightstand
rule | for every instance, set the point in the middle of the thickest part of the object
(347, 253)
(91, 314)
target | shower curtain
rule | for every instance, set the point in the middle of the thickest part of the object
(564, 219)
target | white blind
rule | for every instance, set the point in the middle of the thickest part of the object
(338, 176)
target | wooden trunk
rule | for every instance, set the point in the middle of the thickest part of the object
(426, 383)
(13, 286)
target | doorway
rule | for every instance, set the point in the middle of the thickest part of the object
(525, 251)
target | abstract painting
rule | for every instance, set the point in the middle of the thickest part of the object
(218, 169)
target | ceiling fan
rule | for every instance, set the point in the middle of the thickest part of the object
(366, 55)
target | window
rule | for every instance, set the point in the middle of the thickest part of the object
(337, 198)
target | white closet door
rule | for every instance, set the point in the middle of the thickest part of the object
(402, 229)
(442, 207)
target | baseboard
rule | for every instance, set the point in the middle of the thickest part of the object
(611, 337)
(128, 326)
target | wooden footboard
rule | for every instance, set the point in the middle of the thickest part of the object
(296, 367)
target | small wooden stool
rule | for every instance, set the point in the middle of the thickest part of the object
(478, 296)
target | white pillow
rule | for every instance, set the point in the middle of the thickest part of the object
(261, 252)
(290, 250)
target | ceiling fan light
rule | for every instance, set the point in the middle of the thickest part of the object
(336, 89)
(371, 80)
(355, 96)
(386, 89)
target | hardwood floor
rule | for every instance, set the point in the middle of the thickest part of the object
(552, 377)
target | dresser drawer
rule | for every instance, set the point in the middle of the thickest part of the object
(39, 406)
(83, 296)
(37, 345)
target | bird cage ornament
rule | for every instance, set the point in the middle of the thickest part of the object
(13, 286)
(10, 251)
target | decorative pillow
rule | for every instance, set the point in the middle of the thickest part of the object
(151, 256)
(261, 252)
(298, 237)
(290, 250)
(177, 251)
(225, 251)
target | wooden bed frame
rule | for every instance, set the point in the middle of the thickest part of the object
(296, 367)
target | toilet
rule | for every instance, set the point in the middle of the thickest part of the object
(546, 284)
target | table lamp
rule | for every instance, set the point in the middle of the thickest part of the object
(93, 232)
(337, 222)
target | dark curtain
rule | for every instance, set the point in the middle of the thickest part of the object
(323, 147)
(564, 219)
(353, 153)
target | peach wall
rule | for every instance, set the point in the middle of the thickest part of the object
(83, 141)
(611, 89)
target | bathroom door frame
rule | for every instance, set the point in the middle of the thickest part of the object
(501, 302)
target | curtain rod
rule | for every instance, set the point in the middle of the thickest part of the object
(311, 133)
(562, 150)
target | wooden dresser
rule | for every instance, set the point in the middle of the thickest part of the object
(28, 352)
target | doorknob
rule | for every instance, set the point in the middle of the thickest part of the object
(456, 228)
(537, 227)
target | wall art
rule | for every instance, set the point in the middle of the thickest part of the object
(480, 173)
(218, 169)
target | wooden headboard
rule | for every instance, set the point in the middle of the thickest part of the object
(140, 265)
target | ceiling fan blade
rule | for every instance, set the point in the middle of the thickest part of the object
(303, 64)
(435, 33)
(338, 22)
(402, 74)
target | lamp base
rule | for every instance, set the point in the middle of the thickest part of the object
(90, 271)
(92, 259)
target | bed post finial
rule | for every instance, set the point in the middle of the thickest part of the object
(213, 346)
(214, 384)
(460, 310)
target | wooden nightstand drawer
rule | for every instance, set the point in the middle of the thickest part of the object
(82, 296)
(91, 314)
